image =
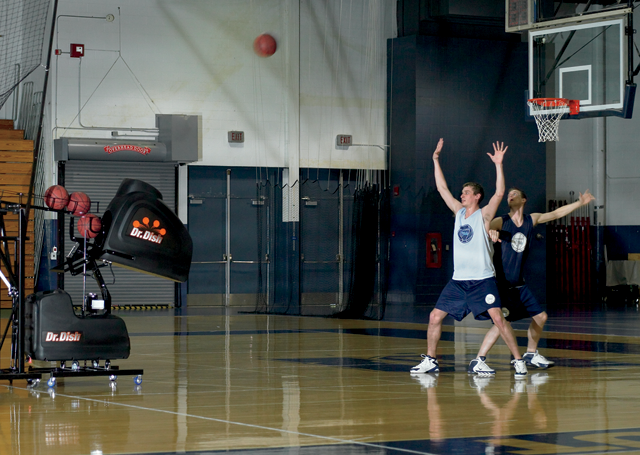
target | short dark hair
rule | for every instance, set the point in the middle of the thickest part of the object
(477, 189)
(522, 193)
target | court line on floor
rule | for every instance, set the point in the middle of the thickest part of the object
(231, 422)
(545, 342)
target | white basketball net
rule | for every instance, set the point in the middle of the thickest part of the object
(547, 113)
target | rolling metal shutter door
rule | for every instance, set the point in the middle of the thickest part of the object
(100, 181)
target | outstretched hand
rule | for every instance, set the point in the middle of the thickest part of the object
(498, 152)
(436, 154)
(586, 197)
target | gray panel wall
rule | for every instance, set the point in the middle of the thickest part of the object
(100, 181)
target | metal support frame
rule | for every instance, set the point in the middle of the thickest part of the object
(16, 278)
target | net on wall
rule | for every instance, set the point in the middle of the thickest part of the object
(341, 269)
(23, 26)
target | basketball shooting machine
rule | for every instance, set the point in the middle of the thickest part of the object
(138, 232)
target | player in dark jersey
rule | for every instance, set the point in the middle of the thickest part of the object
(515, 236)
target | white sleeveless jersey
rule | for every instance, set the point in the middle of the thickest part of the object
(472, 248)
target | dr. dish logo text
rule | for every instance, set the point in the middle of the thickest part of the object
(149, 232)
(63, 336)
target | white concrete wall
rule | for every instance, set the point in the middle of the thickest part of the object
(196, 57)
(575, 161)
(623, 170)
(574, 158)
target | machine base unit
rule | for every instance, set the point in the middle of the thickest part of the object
(54, 332)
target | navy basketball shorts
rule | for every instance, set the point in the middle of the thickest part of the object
(520, 302)
(459, 298)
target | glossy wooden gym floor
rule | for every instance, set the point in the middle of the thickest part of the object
(263, 384)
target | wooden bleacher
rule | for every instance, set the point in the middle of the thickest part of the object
(16, 163)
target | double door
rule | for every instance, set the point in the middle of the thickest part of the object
(246, 255)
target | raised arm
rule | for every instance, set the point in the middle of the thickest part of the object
(489, 211)
(441, 183)
(584, 199)
(496, 223)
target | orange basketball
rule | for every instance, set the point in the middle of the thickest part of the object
(264, 45)
(56, 197)
(89, 226)
(79, 203)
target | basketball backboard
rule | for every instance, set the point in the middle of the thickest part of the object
(523, 15)
(578, 50)
(585, 62)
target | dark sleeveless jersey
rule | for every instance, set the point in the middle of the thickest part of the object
(511, 254)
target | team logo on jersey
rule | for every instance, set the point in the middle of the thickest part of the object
(490, 298)
(518, 242)
(465, 233)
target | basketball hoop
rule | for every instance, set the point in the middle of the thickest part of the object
(548, 112)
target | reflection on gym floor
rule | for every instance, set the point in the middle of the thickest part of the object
(217, 380)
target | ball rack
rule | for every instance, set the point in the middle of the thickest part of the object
(81, 260)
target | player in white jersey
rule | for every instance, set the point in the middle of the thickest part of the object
(473, 288)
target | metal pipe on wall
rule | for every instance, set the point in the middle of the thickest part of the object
(227, 258)
(341, 243)
(600, 193)
(291, 173)
(600, 169)
(600, 179)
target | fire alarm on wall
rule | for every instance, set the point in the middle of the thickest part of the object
(77, 50)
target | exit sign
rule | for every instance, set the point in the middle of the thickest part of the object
(344, 140)
(235, 136)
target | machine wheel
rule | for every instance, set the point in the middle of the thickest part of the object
(51, 382)
(137, 380)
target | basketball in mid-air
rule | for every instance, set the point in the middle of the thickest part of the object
(56, 197)
(89, 226)
(79, 203)
(265, 45)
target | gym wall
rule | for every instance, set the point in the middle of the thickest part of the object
(469, 92)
